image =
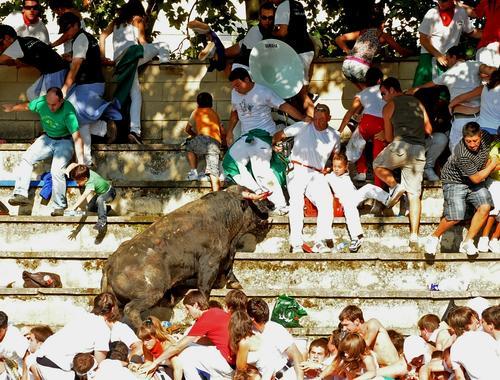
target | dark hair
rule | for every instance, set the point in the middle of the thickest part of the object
(106, 304)
(249, 374)
(57, 91)
(456, 51)
(460, 317)
(376, 16)
(236, 299)
(429, 322)
(320, 342)
(38, 6)
(491, 315)
(194, 297)
(83, 362)
(397, 340)
(341, 156)
(80, 172)
(351, 313)
(494, 79)
(4, 320)
(267, 6)
(335, 337)
(240, 327)
(204, 100)
(67, 20)
(391, 82)
(54, 4)
(118, 351)
(7, 30)
(41, 333)
(471, 129)
(129, 10)
(214, 304)
(239, 73)
(373, 75)
(258, 309)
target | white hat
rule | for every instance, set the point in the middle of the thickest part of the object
(415, 346)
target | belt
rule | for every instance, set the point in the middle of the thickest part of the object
(278, 375)
(458, 115)
(357, 59)
(307, 166)
(68, 137)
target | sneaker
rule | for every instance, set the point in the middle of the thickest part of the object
(414, 243)
(111, 131)
(207, 52)
(192, 175)
(360, 177)
(19, 200)
(204, 177)
(355, 245)
(430, 175)
(134, 138)
(296, 249)
(468, 247)
(320, 247)
(57, 212)
(494, 245)
(100, 226)
(394, 194)
(483, 245)
(431, 245)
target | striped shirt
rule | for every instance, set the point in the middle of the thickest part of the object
(464, 162)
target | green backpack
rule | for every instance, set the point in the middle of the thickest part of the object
(287, 311)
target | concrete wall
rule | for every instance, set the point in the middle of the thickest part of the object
(169, 93)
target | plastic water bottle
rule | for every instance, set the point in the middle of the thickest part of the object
(434, 287)
(166, 324)
(342, 246)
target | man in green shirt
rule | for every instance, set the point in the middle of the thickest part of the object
(59, 122)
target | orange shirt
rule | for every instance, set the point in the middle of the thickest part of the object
(206, 123)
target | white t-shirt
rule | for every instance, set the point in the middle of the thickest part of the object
(113, 369)
(272, 354)
(252, 38)
(67, 46)
(282, 15)
(14, 346)
(444, 37)
(476, 351)
(80, 46)
(254, 108)
(124, 36)
(87, 333)
(490, 108)
(461, 78)
(123, 333)
(312, 147)
(14, 51)
(372, 101)
(38, 30)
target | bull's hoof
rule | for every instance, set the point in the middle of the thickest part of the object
(233, 285)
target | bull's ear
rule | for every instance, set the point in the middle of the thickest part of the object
(244, 204)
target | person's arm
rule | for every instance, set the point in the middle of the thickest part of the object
(6, 60)
(481, 175)
(138, 22)
(81, 199)
(135, 349)
(465, 96)
(78, 141)
(15, 107)
(233, 119)
(242, 355)
(100, 356)
(425, 41)
(459, 374)
(102, 39)
(71, 76)
(278, 136)
(387, 113)
(356, 107)
(64, 37)
(341, 41)
(189, 129)
(295, 356)
(389, 40)
(293, 112)
(411, 91)
(232, 51)
(427, 122)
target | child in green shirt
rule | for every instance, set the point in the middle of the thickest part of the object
(97, 192)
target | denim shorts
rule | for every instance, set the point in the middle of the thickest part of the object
(457, 198)
(208, 147)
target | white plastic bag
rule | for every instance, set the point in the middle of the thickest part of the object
(355, 146)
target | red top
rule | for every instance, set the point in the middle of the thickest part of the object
(214, 324)
(157, 350)
(491, 31)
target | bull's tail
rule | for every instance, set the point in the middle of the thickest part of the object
(105, 287)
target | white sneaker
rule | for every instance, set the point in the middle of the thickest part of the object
(361, 177)
(296, 249)
(192, 175)
(431, 245)
(204, 177)
(320, 247)
(468, 247)
(483, 244)
(394, 194)
(494, 245)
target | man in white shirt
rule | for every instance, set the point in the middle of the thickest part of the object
(252, 104)
(279, 357)
(13, 345)
(27, 23)
(314, 143)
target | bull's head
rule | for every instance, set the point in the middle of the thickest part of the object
(41, 280)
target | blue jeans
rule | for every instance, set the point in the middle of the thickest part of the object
(44, 147)
(98, 203)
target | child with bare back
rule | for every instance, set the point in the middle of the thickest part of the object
(377, 339)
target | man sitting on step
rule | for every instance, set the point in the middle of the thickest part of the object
(377, 339)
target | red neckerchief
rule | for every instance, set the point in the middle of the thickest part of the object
(447, 15)
(26, 21)
(157, 349)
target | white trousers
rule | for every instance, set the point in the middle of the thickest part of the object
(97, 128)
(206, 359)
(258, 153)
(303, 181)
(456, 130)
(350, 198)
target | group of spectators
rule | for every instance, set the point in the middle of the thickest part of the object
(239, 341)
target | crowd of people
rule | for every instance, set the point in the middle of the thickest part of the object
(239, 341)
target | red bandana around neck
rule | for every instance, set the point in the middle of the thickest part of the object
(28, 22)
(157, 349)
(447, 16)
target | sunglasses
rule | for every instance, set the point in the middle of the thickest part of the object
(31, 7)
(264, 18)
